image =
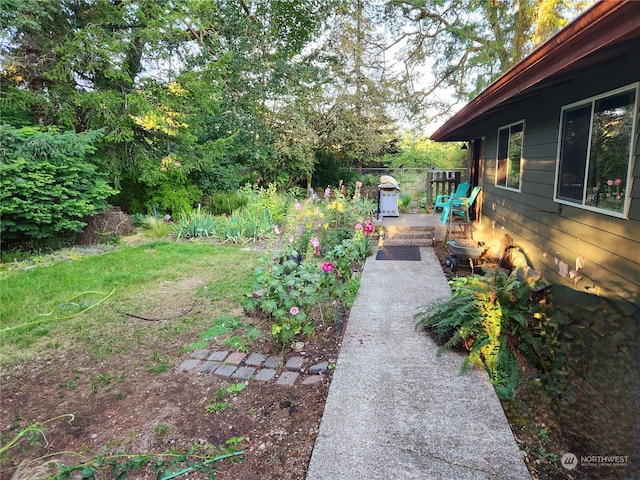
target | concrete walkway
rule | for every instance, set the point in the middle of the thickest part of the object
(395, 410)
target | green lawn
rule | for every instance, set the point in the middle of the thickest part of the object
(83, 302)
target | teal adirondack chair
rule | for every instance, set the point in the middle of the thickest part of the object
(459, 206)
(441, 200)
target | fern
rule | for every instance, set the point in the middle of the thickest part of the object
(486, 316)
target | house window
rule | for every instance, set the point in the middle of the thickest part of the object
(594, 159)
(509, 159)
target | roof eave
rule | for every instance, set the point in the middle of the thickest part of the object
(603, 24)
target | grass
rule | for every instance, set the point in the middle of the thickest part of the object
(81, 302)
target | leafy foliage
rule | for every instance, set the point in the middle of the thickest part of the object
(48, 183)
(493, 317)
(155, 227)
(247, 223)
(226, 202)
(194, 225)
(272, 202)
(420, 152)
(329, 170)
(463, 45)
(166, 90)
(274, 96)
(304, 274)
(354, 125)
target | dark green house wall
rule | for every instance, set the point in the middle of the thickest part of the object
(550, 232)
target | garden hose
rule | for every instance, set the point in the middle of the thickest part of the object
(187, 470)
(70, 301)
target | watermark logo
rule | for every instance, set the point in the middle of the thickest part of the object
(604, 460)
(569, 461)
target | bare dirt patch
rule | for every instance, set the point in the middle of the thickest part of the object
(119, 405)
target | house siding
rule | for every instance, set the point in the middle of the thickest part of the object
(550, 233)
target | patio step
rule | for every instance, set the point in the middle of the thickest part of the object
(408, 235)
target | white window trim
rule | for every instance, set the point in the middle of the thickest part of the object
(495, 180)
(632, 150)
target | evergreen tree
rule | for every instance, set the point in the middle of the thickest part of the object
(353, 117)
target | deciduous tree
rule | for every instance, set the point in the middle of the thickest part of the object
(450, 50)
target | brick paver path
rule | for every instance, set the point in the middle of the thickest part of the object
(254, 366)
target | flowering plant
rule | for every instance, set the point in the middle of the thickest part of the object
(310, 271)
(614, 194)
(287, 290)
(369, 228)
(327, 267)
(315, 243)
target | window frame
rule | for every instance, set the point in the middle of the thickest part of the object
(633, 145)
(500, 129)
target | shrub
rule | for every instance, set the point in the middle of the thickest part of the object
(291, 284)
(224, 176)
(329, 170)
(172, 196)
(138, 220)
(288, 291)
(405, 201)
(274, 203)
(493, 317)
(334, 237)
(224, 203)
(48, 184)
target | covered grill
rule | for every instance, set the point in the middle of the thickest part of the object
(388, 193)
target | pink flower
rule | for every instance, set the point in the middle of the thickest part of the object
(298, 206)
(358, 226)
(276, 229)
(316, 245)
(358, 184)
(368, 228)
(327, 267)
(618, 182)
(327, 192)
(609, 182)
(294, 310)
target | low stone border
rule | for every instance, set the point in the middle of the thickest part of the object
(253, 366)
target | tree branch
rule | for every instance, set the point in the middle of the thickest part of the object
(244, 6)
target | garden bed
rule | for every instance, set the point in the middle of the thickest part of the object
(571, 410)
